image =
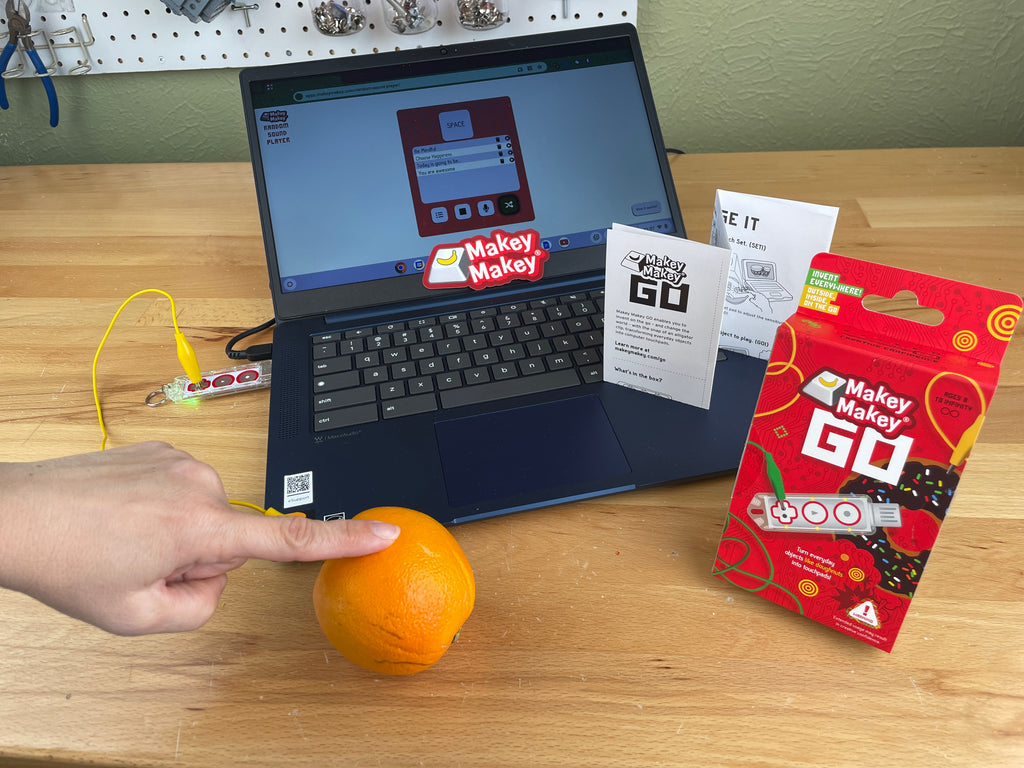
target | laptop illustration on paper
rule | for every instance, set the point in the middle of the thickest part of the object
(434, 221)
(762, 278)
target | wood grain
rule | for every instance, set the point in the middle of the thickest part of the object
(600, 637)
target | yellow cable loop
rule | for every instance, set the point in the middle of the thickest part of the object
(96, 357)
(962, 448)
(785, 367)
(187, 357)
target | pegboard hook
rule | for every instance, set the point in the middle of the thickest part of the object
(84, 41)
(244, 7)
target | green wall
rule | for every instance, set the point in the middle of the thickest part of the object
(727, 77)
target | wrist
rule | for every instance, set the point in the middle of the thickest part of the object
(19, 555)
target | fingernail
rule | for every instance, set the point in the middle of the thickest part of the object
(385, 531)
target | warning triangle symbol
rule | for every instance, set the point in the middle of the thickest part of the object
(865, 613)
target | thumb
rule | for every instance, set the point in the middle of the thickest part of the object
(192, 603)
(301, 539)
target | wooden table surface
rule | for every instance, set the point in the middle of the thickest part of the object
(600, 637)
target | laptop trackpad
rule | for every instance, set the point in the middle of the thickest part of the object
(528, 449)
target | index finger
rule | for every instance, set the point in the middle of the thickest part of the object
(287, 538)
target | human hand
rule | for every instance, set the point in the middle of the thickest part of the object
(139, 539)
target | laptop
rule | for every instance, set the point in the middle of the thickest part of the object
(434, 222)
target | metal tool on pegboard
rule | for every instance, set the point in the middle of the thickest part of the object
(177, 35)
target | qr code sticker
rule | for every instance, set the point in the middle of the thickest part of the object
(298, 489)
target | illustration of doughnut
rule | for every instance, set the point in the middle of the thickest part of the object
(923, 492)
(921, 486)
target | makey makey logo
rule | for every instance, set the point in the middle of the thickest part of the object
(482, 262)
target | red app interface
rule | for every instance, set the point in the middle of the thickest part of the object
(465, 166)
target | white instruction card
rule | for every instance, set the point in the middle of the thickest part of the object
(772, 242)
(663, 313)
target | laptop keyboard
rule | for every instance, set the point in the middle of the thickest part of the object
(429, 363)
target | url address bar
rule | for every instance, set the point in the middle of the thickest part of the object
(341, 91)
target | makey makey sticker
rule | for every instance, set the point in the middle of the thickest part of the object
(482, 262)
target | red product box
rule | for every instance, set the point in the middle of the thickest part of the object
(858, 441)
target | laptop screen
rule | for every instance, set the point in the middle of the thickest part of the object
(364, 165)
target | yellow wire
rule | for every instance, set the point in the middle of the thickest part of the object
(961, 449)
(785, 367)
(96, 392)
(928, 401)
(238, 503)
(96, 357)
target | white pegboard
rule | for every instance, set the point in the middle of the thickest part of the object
(95, 36)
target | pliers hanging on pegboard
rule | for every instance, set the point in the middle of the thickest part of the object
(19, 27)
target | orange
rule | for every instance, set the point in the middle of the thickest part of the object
(398, 610)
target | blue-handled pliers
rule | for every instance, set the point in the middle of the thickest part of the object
(19, 27)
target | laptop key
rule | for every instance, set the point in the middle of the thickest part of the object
(459, 361)
(512, 352)
(449, 380)
(431, 333)
(500, 338)
(320, 351)
(542, 347)
(592, 373)
(343, 399)
(430, 365)
(527, 333)
(501, 371)
(378, 342)
(557, 362)
(477, 376)
(408, 406)
(531, 366)
(420, 384)
(375, 375)
(420, 351)
(336, 381)
(368, 360)
(507, 320)
(345, 417)
(499, 390)
(403, 370)
(566, 343)
(332, 365)
(476, 341)
(350, 346)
